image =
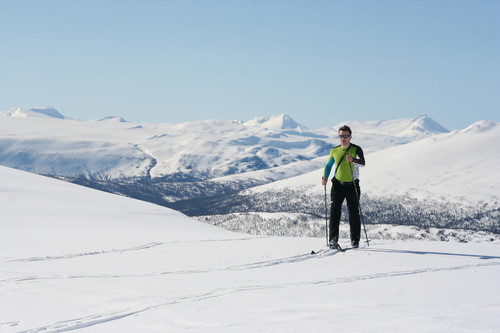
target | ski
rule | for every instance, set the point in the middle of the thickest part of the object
(336, 248)
(339, 249)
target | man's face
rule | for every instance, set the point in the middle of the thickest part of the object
(345, 137)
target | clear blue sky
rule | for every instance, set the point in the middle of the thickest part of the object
(321, 62)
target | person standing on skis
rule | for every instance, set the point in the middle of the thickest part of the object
(347, 158)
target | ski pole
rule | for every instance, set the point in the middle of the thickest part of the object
(326, 218)
(359, 206)
(361, 215)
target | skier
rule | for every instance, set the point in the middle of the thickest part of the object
(345, 185)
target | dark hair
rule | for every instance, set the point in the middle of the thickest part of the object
(346, 129)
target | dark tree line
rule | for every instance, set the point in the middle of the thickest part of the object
(202, 198)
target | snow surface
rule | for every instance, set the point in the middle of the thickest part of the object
(72, 258)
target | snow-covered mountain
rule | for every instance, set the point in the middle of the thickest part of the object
(381, 134)
(73, 258)
(38, 112)
(113, 148)
(419, 127)
(279, 122)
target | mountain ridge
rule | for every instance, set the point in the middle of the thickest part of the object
(197, 150)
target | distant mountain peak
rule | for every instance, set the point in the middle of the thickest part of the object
(37, 112)
(114, 119)
(278, 122)
(426, 124)
(480, 126)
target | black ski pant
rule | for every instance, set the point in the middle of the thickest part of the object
(349, 192)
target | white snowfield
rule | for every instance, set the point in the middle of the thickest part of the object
(72, 258)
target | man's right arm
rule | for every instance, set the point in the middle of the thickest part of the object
(327, 170)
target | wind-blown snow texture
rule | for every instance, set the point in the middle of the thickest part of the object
(73, 258)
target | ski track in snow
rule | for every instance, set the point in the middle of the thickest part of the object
(255, 265)
(79, 323)
(112, 251)
(76, 255)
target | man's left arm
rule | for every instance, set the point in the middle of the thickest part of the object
(360, 156)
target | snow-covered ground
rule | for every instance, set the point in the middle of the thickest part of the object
(75, 258)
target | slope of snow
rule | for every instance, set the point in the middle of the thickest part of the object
(460, 166)
(75, 258)
(35, 208)
(69, 148)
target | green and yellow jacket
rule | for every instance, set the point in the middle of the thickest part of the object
(344, 171)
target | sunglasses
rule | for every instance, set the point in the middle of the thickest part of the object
(344, 136)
